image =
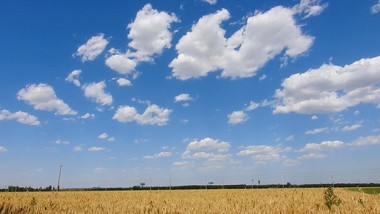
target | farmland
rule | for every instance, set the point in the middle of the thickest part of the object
(287, 200)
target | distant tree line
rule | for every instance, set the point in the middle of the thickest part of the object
(234, 186)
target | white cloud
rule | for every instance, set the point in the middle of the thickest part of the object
(317, 131)
(43, 97)
(123, 82)
(96, 92)
(213, 152)
(183, 164)
(263, 77)
(103, 136)
(325, 145)
(237, 117)
(111, 139)
(312, 156)
(152, 38)
(159, 155)
(208, 144)
(205, 49)
(63, 142)
(3, 149)
(73, 77)
(121, 63)
(95, 149)
(99, 170)
(351, 128)
(309, 8)
(331, 88)
(262, 154)
(21, 117)
(78, 149)
(93, 47)
(375, 8)
(211, 1)
(314, 117)
(182, 98)
(252, 106)
(147, 39)
(153, 115)
(365, 141)
(87, 115)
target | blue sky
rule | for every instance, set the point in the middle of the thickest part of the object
(202, 90)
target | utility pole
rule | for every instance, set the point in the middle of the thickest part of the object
(59, 176)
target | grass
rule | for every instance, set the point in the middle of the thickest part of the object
(368, 190)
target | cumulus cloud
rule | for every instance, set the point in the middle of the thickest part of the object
(317, 131)
(123, 82)
(330, 88)
(43, 97)
(21, 117)
(153, 115)
(149, 34)
(3, 149)
(237, 117)
(252, 106)
(93, 48)
(95, 149)
(214, 152)
(205, 49)
(314, 117)
(365, 141)
(182, 98)
(63, 142)
(375, 8)
(325, 145)
(96, 92)
(73, 77)
(262, 154)
(159, 155)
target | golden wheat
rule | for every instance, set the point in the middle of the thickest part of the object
(188, 201)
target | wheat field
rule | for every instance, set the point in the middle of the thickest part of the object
(189, 201)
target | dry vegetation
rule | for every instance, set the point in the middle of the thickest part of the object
(189, 201)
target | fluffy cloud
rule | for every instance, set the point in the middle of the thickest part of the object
(78, 149)
(21, 117)
(73, 77)
(330, 88)
(375, 8)
(182, 98)
(237, 117)
(213, 151)
(317, 131)
(205, 49)
(93, 47)
(252, 106)
(95, 149)
(262, 154)
(3, 149)
(96, 92)
(325, 145)
(153, 115)
(149, 33)
(43, 97)
(159, 155)
(365, 141)
(123, 82)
